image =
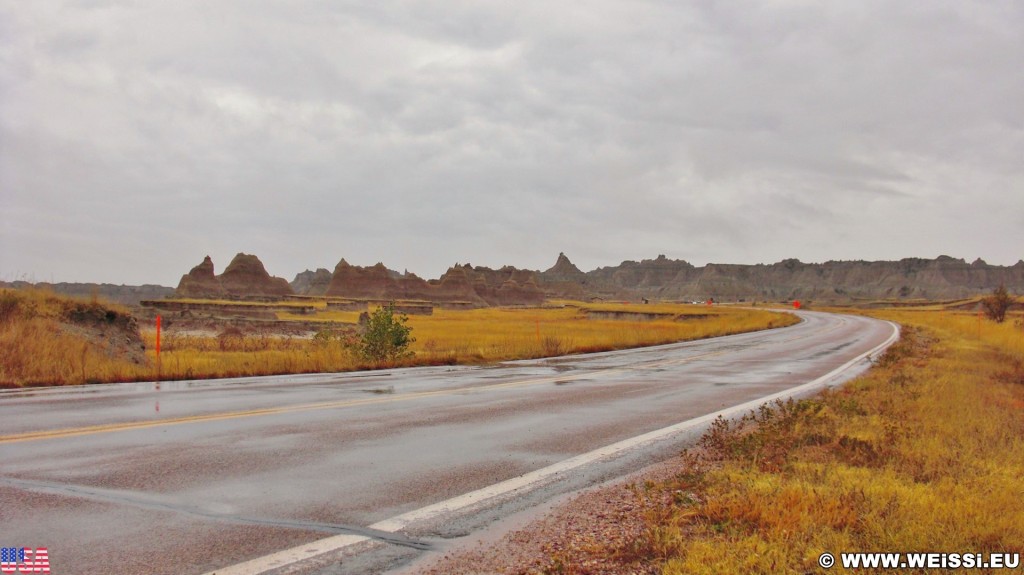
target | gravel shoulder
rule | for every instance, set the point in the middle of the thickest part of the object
(586, 532)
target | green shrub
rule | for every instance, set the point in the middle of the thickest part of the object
(385, 338)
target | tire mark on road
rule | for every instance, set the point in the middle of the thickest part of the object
(141, 502)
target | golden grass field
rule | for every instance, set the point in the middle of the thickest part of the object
(457, 337)
(38, 348)
(925, 453)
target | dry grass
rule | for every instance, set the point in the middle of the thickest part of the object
(41, 343)
(455, 337)
(39, 349)
(233, 354)
(925, 453)
(495, 334)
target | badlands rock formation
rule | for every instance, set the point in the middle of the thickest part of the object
(460, 284)
(839, 281)
(312, 283)
(244, 277)
(942, 278)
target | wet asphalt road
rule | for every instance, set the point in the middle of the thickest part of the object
(190, 477)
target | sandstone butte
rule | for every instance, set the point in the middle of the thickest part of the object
(943, 278)
(460, 284)
(245, 276)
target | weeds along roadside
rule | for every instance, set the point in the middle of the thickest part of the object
(925, 453)
(40, 345)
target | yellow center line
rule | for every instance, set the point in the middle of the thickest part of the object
(130, 425)
(112, 427)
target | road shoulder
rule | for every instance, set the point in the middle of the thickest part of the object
(576, 525)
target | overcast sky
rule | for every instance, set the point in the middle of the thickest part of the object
(137, 137)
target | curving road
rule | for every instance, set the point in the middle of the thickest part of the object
(352, 473)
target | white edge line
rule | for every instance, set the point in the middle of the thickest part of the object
(465, 501)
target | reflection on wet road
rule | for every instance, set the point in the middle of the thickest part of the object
(188, 477)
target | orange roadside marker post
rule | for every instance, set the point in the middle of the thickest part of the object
(159, 320)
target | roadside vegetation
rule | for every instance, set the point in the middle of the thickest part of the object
(449, 337)
(55, 340)
(925, 453)
(42, 343)
(384, 338)
(997, 304)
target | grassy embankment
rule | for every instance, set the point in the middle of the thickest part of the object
(38, 348)
(55, 340)
(925, 453)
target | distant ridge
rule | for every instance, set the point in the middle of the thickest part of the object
(661, 278)
(835, 281)
(942, 278)
(122, 294)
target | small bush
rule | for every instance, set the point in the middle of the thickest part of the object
(552, 346)
(997, 304)
(385, 338)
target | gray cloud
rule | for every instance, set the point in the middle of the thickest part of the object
(136, 137)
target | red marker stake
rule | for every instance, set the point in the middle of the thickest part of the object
(159, 320)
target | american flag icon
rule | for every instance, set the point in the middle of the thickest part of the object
(24, 561)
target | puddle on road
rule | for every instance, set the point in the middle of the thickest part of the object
(572, 381)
